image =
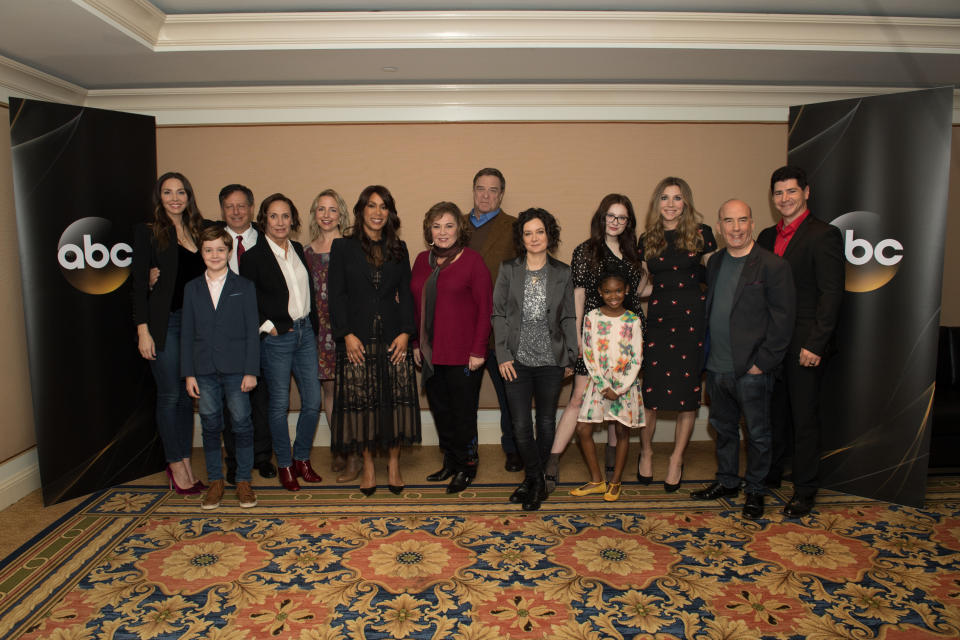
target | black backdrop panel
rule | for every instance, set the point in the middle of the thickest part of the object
(82, 179)
(879, 170)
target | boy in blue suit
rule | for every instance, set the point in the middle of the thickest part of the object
(220, 358)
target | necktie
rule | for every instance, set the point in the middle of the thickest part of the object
(240, 248)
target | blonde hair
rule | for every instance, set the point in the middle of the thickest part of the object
(344, 221)
(688, 225)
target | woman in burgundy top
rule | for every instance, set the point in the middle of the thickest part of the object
(453, 299)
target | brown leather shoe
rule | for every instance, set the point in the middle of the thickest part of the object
(245, 495)
(288, 479)
(303, 470)
(214, 495)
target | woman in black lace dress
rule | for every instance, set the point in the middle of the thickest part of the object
(673, 247)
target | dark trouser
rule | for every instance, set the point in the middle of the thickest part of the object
(506, 423)
(174, 407)
(454, 392)
(542, 386)
(796, 424)
(262, 442)
(729, 397)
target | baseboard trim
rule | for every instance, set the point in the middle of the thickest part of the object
(18, 477)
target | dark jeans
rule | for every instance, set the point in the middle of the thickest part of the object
(542, 386)
(174, 406)
(729, 397)
(453, 392)
(506, 423)
(262, 441)
(292, 352)
(214, 388)
(796, 424)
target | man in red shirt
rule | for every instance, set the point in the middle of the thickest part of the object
(814, 250)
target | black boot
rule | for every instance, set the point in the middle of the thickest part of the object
(520, 493)
(536, 495)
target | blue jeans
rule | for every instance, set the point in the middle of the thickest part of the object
(540, 385)
(506, 424)
(214, 388)
(174, 406)
(292, 352)
(729, 397)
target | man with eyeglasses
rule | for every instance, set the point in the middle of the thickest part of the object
(492, 238)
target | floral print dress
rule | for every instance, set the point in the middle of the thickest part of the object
(318, 264)
(613, 353)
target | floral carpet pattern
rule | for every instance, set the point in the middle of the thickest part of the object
(141, 562)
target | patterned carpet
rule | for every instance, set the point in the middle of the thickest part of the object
(142, 562)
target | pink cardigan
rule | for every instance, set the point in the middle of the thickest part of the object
(461, 325)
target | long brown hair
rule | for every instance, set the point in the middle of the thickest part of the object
(598, 233)
(162, 224)
(688, 237)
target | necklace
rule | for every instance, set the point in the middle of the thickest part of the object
(535, 275)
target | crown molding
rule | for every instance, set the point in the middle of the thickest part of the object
(475, 103)
(20, 81)
(525, 29)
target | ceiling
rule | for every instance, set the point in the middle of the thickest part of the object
(94, 47)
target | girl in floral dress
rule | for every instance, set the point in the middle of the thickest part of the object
(612, 352)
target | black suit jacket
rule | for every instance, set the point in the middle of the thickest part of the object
(221, 340)
(260, 266)
(153, 307)
(764, 308)
(353, 300)
(815, 254)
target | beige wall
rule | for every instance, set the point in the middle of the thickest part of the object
(563, 167)
(16, 415)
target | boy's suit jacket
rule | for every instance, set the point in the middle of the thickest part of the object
(221, 340)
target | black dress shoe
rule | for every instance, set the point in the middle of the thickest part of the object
(714, 491)
(266, 469)
(441, 475)
(460, 481)
(520, 493)
(536, 495)
(514, 462)
(753, 507)
(799, 506)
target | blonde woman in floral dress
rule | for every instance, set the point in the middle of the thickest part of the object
(612, 352)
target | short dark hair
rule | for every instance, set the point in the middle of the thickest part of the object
(490, 171)
(269, 200)
(231, 188)
(617, 274)
(214, 232)
(549, 224)
(436, 212)
(789, 172)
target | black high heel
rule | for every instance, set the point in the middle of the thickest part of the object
(396, 488)
(368, 491)
(640, 478)
(670, 488)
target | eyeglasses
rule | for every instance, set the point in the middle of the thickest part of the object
(617, 219)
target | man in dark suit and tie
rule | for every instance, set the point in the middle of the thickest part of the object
(750, 314)
(220, 359)
(814, 250)
(236, 208)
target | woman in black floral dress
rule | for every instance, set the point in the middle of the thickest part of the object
(673, 247)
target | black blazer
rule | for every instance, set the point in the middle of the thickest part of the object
(260, 266)
(221, 340)
(764, 308)
(354, 302)
(153, 307)
(508, 310)
(815, 254)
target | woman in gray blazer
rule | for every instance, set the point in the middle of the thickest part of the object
(535, 329)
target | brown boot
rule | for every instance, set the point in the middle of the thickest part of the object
(352, 472)
(245, 495)
(214, 495)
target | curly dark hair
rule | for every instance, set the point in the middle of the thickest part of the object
(392, 249)
(269, 200)
(549, 224)
(439, 210)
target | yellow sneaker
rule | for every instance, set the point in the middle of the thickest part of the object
(589, 488)
(613, 492)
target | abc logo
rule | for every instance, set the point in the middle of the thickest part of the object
(872, 260)
(90, 257)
